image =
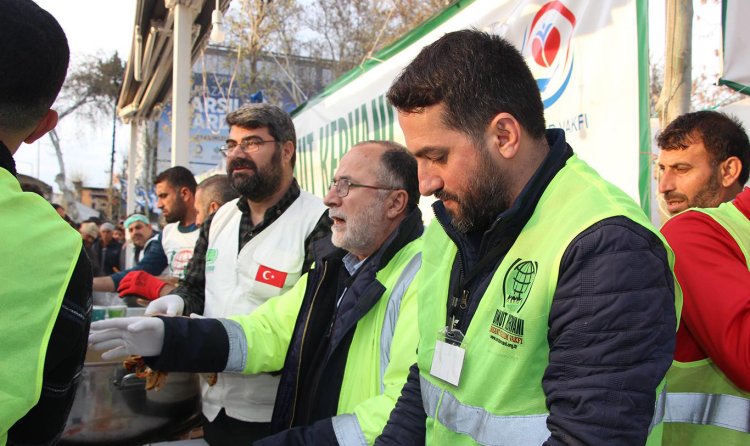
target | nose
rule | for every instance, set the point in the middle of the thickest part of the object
(666, 181)
(429, 181)
(332, 198)
(232, 154)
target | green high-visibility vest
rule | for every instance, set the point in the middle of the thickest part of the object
(499, 399)
(703, 406)
(383, 346)
(38, 253)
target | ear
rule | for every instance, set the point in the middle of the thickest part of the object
(213, 207)
(729, 171)
(396, 203)
(287, 150)
(505, 135)
(186, 194)
(48, 122)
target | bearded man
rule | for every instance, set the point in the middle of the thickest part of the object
(704, 160)
(173, 248)
(253, 248)
(546, 298)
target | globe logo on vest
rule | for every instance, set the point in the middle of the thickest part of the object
(546, 47)
(517, 284)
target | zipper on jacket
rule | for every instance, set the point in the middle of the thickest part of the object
(454, 301)
(302, 344)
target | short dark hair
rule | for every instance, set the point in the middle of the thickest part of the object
(218, 188)
(34, 57)
(279, 123)
(475, 75)
(178, 177)
(721, 134)
(398, 169)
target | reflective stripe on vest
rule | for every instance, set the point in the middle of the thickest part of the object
(659, 409)
(485, 427)
(481, 425)
(728, 411)
(391, 314)
(358, 385)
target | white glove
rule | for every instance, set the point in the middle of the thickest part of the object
(169, 305)
(124, 336)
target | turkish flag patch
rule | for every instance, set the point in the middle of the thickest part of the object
(271, 276)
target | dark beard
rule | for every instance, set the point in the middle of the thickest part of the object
(486, 197)
(180, 210)
(260, 185)
(709, 196)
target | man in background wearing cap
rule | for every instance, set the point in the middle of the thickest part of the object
(45, 276)
(108, 249)
(142, 236)
(89, 234)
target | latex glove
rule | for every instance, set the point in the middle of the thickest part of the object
(142, 284)
(169, 305)
(124, 336)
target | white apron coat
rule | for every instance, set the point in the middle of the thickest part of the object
(237, 283)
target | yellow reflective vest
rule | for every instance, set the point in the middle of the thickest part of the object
(381, 351)
(506, 342)
(703, 406)
(38, 253)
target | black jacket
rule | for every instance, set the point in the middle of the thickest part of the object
(611, 324)
(307, 407)
(109, 256)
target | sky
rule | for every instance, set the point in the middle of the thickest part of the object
(93, 27)
(100, 27)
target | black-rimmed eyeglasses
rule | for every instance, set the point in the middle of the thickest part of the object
(343, 185)
(249, 145)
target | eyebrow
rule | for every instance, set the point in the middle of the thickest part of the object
(246, 138)
(677, 164)
(430, 150)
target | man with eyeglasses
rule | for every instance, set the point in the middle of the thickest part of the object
(251, 249)
(345, 335)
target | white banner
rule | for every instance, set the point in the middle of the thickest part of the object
(584, 55)
(735, 15)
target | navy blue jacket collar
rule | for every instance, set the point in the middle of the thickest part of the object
(515, 217)
(6, 160)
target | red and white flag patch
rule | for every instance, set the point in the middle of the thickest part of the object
(271, 276)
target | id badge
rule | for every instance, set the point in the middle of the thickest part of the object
(448, 359)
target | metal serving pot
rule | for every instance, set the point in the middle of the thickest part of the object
(112, 406)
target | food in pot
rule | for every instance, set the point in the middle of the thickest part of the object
(154, 379)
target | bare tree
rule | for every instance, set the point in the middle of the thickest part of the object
(350, 32)
(271, 37)
(91, 91)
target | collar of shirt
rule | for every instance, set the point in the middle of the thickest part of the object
(247, 230)
(352, 263)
